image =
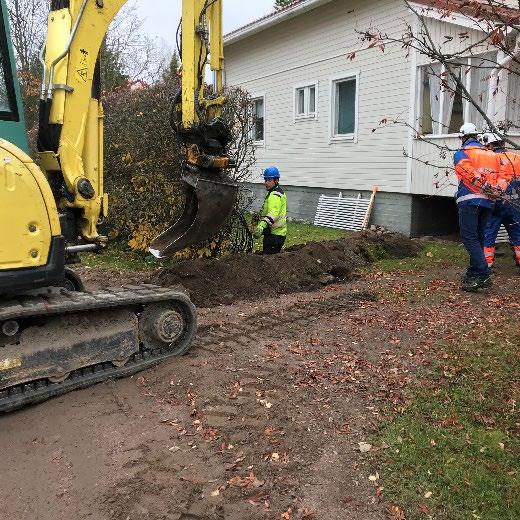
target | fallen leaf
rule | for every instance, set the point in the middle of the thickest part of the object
(428, 494)
(395, 513)
(246, 482)
(364, 447)
(373, 478)
(258, 499)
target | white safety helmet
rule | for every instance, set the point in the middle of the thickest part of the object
(490, 138)
(468, 129)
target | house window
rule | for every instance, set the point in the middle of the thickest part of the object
(513, 101)
(258, 119)
(442, 107)
(305, 102)
(344, 110)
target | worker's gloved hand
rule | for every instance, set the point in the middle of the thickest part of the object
(491, 191)
(255, 217)
(257, 232)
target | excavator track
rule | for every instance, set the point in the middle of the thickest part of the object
(151, 324)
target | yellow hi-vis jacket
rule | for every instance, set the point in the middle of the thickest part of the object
(273, 218)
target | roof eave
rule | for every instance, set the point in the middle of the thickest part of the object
(455, 18)
(275, 19)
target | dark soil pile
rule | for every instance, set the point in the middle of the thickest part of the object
(299, 268)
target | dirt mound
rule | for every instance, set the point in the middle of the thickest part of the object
(299, 268)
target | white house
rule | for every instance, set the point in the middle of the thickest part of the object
(321, 110)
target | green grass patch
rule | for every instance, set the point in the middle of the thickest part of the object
(433, 254)
(454, 453)
(119, 257)
(304, 233)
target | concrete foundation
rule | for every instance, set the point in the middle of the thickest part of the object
(412, 215)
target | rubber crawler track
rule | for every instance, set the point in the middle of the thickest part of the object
(66, 302)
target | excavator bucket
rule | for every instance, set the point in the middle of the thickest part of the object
(209, 203)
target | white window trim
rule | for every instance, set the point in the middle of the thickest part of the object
(352, 138)
(254, 97)
(419, 103)
(466, 104)
(306, 117)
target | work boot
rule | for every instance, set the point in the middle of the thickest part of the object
(485, 282)
(471, 284)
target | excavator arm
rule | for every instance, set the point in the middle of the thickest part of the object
(70, 139)
(54, 338)
(210, 194)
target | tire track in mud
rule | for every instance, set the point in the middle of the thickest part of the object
(239, 403)
(240, 334)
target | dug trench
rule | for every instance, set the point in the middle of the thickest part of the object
(264, 416)
(251, 277)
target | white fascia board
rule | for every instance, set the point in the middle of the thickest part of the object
(275, 19)
(453, 18)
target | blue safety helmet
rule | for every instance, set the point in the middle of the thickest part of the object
(271, 172)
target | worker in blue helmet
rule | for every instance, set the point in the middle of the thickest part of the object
(273, 217)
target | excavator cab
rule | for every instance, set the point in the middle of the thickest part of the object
(12, 123)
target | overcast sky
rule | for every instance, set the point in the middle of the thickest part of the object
(161, 17)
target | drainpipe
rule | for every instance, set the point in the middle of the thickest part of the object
(495, 77)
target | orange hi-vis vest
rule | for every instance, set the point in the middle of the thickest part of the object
(509, 175)
(479, 167)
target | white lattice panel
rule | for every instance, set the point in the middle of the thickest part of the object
(342, 212)
(502, 235)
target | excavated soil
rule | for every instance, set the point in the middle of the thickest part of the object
(297, 269)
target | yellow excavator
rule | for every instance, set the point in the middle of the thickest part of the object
(54, 337)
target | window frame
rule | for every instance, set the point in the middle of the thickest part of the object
(306, 116)
(254, 97)
(12, 114)
(334, 80)
(420, 96)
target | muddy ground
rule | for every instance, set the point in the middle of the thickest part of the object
(262, 419)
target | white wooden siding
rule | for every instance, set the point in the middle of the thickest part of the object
(314, 46)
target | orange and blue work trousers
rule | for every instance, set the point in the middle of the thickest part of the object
(508, 216)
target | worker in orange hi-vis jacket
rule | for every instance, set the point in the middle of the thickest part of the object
(477, 170)
(506, 211)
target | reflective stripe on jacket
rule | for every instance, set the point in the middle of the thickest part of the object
(475, 166)
(273, 218)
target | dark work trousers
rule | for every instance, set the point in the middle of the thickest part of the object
(273, 244)
(472, 222)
